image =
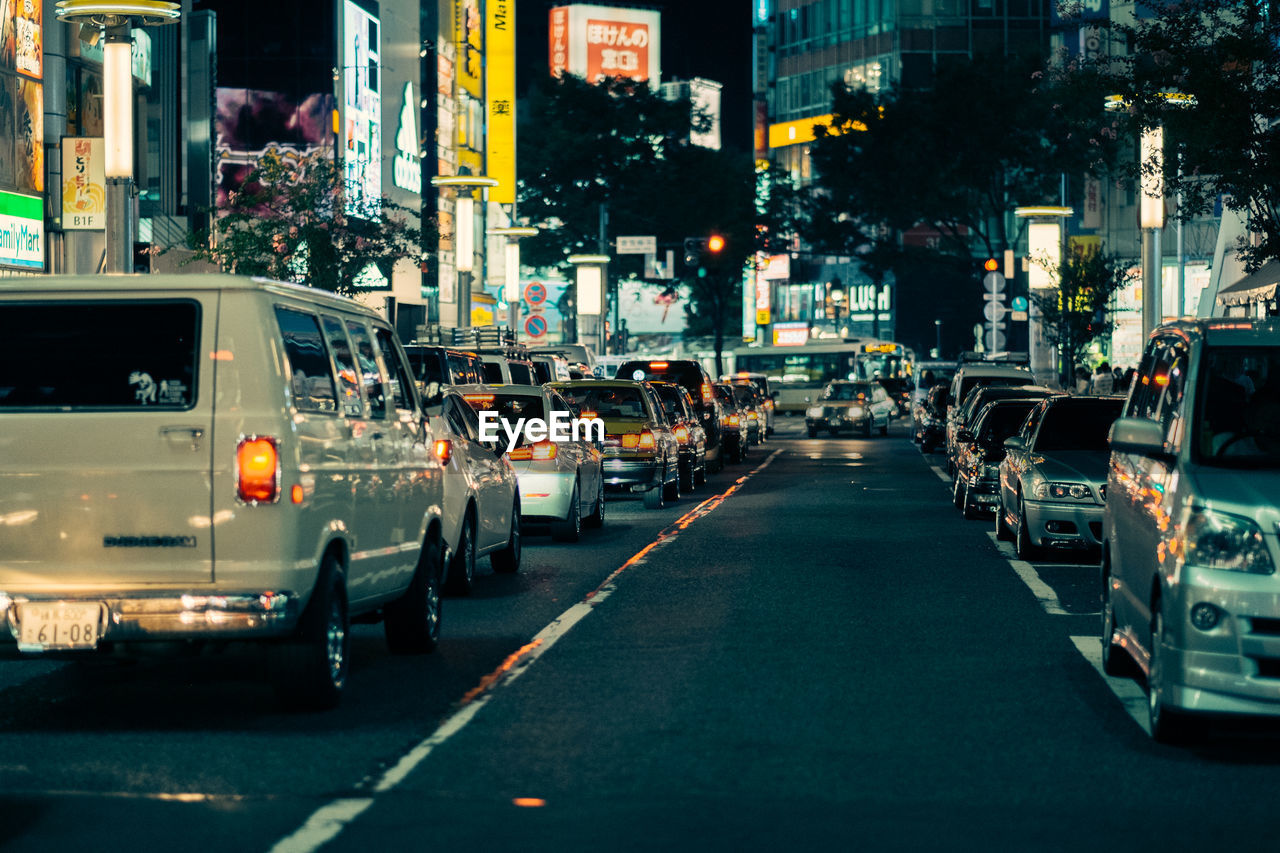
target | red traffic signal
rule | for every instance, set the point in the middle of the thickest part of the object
(715, 243)
(991, 265)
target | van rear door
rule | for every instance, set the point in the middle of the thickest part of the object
(106, 406)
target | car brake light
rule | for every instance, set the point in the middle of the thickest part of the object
(444, 449)
(682, 434)
(631, 440)
(588, 416)
(539, 450)
(707, 394)
(647, 441)
(768, 404)
(257, 470)
(732, 420)
(478, 400)
(752, 416)
(658, 365)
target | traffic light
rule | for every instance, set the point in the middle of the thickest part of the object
(694, 249)
(715, 244)
(991, 265)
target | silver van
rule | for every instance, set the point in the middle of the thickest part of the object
(211, 458)
(1189, 585)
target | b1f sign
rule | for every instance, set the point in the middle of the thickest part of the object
(84, 198)
(606, 41)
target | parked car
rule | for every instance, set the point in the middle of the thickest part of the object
(561, 482)
(695, 379)
(443, 365)
(856, 405)
(926, 374)
(481, 495)
(977, 482)
(961, 419)
(932, 419)
(250, 462)
(641, 454)
(751, 403)
(971, 374)
(760, 381)
(1053, 477)
(687, 428)
(734, 436)
(1189, 551)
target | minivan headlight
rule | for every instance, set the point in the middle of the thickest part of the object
(855, 411)
(1215, 540)
(814, 411)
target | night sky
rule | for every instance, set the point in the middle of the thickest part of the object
(700, 38)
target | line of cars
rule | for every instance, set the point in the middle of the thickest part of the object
(1176, 488)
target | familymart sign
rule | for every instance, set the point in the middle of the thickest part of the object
(21, 231)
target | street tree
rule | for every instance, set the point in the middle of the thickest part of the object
(289, 221)
(1077, 311)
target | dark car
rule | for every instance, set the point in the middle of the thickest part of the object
(687, 428)
(445, 365)
(931, 422)
(695, 379)
(733, 423)
(977, 484)
(751, 402)
(962, 417)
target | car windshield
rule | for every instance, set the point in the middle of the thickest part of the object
(848, 391)
(511, 407)
(1077, 424)
(607, 402)
(1239, 419)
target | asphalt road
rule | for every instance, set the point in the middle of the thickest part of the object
(818, 652)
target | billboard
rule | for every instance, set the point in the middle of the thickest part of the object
(651, 309)
(21, 231)
(606, 41)
(500, 92)
(361, 107)
(252, 122)
(84, 197)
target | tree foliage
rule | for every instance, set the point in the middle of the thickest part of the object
(288, 221)
(1077, 311)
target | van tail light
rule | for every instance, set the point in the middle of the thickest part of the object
(258, 469)
(768, 404)
(731, 420)
(540, 450)
(682, 434)
(444, 450)
(659, 365)
(478, 400)
(707, 394)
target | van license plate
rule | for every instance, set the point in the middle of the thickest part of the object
(49, 625)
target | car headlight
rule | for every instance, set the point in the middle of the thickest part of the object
(855, 411)
(813, 411)
(1215, 540)
(1062, 491)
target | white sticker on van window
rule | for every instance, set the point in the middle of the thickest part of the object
(172, 392)
(146, 390)
(637, 375)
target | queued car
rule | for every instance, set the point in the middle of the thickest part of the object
(977, 483)
(1053, 477)
(856, 405)
(443, 365)
(960, 419)
(1190, 592)
(695, 379)
(751, 404)
(561, 482)
(734, 434)
(641, 453)
(899, 391)
(926, 374)
(761, 381)
(481, 496)
(687, 428)
(931, 419)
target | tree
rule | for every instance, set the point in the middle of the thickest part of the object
(289, 222)
(1076, 312)
(1209, 72)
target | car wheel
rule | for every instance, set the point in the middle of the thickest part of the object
(507, 561)
(311, 667)
(1003, 533)
(866, 430)
(1115, 660)
(462, 568)
(1168, 725)
(569, 529)
(813, 432)
(700, 475)
(656, 497)
(673, 487)
(596, 519)
(884, 428)
(412, 623)
(686, 477)
(1027, 551)
(957, 493)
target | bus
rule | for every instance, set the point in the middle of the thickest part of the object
(799, 373)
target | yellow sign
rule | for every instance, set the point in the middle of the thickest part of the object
(801, 130)
(500, 86)
(84, 199)
(481, 315)
(762, 316)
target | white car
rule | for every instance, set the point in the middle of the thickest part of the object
(561, 482)
(482, 509)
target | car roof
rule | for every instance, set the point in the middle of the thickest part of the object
(992, 370)
(596, 383)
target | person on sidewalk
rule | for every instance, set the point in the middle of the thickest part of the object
(1081, 385)
(1104, 383)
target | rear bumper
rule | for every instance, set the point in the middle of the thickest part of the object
(167, 615)
(545, 495)
(632, 472)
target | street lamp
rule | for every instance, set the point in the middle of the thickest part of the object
(116, 19)
(1046, 236)
(837, 300)
(937, 330)
(590, 278)
(511, 284)
(464, 225)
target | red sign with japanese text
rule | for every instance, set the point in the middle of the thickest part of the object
(559, 44)
(617, 49)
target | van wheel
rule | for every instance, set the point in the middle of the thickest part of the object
(311, 667)
(596, 519)
(884, 430)
(1115, 660)
(673, 488)
(1168, 725)
(866, 430)
(570, 528)
(412, 623)
(462, 569)
(507, 561)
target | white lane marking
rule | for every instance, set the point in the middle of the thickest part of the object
(1048, 598)
(326, 822)
(1131, 696)
(942, 475)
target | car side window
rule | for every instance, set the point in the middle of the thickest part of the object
(472, 421)
(453, 414)
(352, 401)
(1140, 400)
(1032, 423)
(310, 372)
(370, 374)
(1172, 375)
(401, 385)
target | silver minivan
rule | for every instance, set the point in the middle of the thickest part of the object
(204, 459)
(1189, 585)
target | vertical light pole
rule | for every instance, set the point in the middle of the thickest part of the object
(116, 19)
(511, 285)
(937, 332)
(590, 278)
(1045, 250)
(464, 231)
(1151, 221)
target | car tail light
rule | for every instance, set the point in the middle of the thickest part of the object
(768, 404)
(647, 441)
(682, 434)
(707, 394)
(258, 469)
(732, 420)
(753, 416)
(444, 449)
(587, 416)
(639, 441)
(478, 400)
(658, 365)
(538, 450)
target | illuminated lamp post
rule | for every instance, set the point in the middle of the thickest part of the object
(590, 279)
(464, 233)
(511, 285)
(837, 302)
(116, 19)
(1046, 237)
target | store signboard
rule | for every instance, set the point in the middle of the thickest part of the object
(21, 231)
(84, 198)
(606, 41)
(362, 108)
(500, 93)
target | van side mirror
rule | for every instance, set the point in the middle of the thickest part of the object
(1014, 442)
(1140, 436)
(432, 393)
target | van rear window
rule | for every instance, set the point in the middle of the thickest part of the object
(99, 355)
